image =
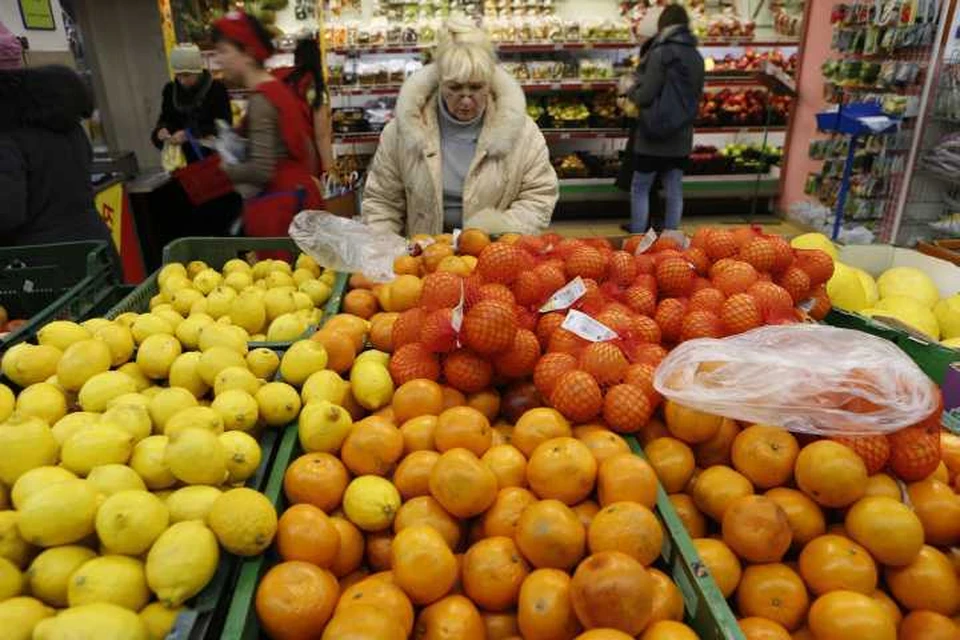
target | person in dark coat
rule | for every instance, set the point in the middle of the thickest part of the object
(45, 159)
(193, 101)
(671, 57)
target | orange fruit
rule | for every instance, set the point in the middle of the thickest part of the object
(562, 469)
(762, 629)
(434, 254)
(577, 396)
(544, 610)
(452, 618)
(467, 372)
(832, 562)
(604, 361)
(441, 290)
(418, 434)
(624, 477)
(465, 428)
(406, 327)
(360, 302)
(765, 455)
(502, 433)
(360, 281)
(416, 398)
(353, 578)
(372, 447)
(717, 487)
(412, 476)
(339, 347)
(378, 550)
(612, 590)
(938, 508)
(757, 529)
(425, 510)
(830, 473)
(353, 326)
(295, 599)
(693, 521)
(717, 450)
(628, 527)
(507, 464)
(929, 582)
(722, 563)
(412, 361)
(586, 511)
(489, 327)
(840, 615)
(537, 426)
(316, 478)
(667, 599)
(374, 608)
(493, 570)
(352, 544)
(673, 461)
(927, 625)
(486, 402)
(550, 535)
(626, 408)
(550, 368)
(472, 242)
(381, 331)
(305, 533)
(668, 630)
(602, 443)
(422, 564)
(520, 359)
(603, 634)
(407, 265)
(501, 626)
(462, 484)
(889, 605)
(881, 484)
(889, 529)
(652, 430)
(775, 592)
(502, 517)
(804, 516)
(690, 425)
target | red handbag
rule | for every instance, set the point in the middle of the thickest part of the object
(204, 180)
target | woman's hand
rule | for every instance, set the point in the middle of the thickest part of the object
(179, 137)
(163, 135)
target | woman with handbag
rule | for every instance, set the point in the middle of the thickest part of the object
(278, 176)
(666, 91)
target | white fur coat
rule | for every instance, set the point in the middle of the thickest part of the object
(511, 185)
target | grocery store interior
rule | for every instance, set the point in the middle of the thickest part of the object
(677, 367)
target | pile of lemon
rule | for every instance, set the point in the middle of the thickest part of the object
(126, 445)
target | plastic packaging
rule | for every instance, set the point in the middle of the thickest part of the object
(347, 245)
(806, 378)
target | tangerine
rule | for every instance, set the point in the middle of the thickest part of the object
(352, 543)
(722, 563)
(381, 331)
(757, 529)
(418, 434)
(339, 347)
(833, 562)
(628, 527)
(929, 583)
(425, 510)
(668, 630)
(462, 484)
(360, 302)
(422, 564)
(693, 521)
(550, 535)
(305, 533)
(406, 327)
(762, 629)
(889, 529)
(486, 402)
(690, 425)
(717, 487)
(467, 372)
(502, 518)
(604, 361)
(804, 516)
(378, 550)
(927, 625)
(775, 592)
(376, 593)
(765, 455)
(537, 426)
(717, 450)
(412, 361)
(294, 599)
(412, 475)
(673, 461)
(938, 508)
(830, 473)
(667, 600)
(451, 618)
(586, 511)
(372, 447)
(507, 464)
(577, 396)
(612, 590)
(472, 242)
(549, 369)
(501, 626)
(602, 443)
(840, 615)
(493, 571)
(463, 427)
(316, 478)
(500, 262)
(624, 477)
(626, 408)
(563, 469)
(544, 610)
(415, 398)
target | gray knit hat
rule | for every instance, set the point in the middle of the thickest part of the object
(186, 58)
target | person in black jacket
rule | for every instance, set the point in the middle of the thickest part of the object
(193, 101)
(45, 158)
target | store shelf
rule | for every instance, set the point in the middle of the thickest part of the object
(764, 185)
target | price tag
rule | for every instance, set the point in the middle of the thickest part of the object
(807, 305)
(587, 328)
(565, 296)
(456, 238)
(456, 318)
(677, 236)
(646, 242)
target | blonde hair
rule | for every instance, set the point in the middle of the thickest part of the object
(464, 52)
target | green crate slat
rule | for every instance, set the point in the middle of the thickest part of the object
(216, 252)
(65, 281)
(707, 611)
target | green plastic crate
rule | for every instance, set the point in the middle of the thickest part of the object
(707, 611)
(216, 252)
(66, 281)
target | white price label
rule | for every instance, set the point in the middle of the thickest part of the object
(456, 318)
(456, 239)
(565, 296)
(677, 236)
(646, 242)
(587, 328)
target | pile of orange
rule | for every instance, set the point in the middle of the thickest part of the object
(533, 530)
(805, 539)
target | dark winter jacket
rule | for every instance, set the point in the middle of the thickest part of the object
(196, 108)
(45, 156)
(673, 45)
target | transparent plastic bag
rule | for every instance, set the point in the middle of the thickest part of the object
(806, 378)
(347, 245)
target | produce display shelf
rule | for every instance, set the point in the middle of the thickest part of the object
(215, 252)
(706, 610)
(699, 186)
(66, 281)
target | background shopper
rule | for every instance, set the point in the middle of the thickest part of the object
(306, 79)
(669, 80)
(461, 151)
(192, 101)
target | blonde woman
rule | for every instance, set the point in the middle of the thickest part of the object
(461, 151)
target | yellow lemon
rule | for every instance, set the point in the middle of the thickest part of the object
(279, 301)
(149, 461)
(373, 355)
(185, 373)
(59, 514)
(128, 522)
(140, 379)
(286, 327)
(279, 403)
(191, 503)
(148, 324)
(12, 545)
(42, 400)
(20, 616)
(229, 337)
(323, 426)
(244, 521)
(99, 390)
(132, 418)
(109, 479)
(11, 580)
(7, 402)
(238, 281)
(238, 410)
(71, 423)
(114, 579)
(169, 270)
(167, 403)
(248, 311)
(159, 620)
(156, 355)
(207, 280)
(243, 455)
(909, 282)
(318, 292)
(194, 418)
(119, 341)
(49, 573)
(61, 334)
(181, 562)
(195, 456)
(236, 378)
(371, 384)
(371, 502)
(215, 360)
(219, 302)
(35, 480)
(95, 446)
(26, 443)
(136, 399)
(301, 360)
(26, 364)
(325, 385)
(263, 363)
(92, 622)
(81, 361)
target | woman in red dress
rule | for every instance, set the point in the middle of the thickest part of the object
(277, 178)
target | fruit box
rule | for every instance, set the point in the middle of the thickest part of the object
(932, 357)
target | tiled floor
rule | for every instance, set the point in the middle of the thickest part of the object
(607, 228)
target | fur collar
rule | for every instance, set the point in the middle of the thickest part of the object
(503, 121)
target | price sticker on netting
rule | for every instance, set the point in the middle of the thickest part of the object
(565, 296)
(646, 242)
(456, 317)
(456, 239)
(677, 236)
(587, 328)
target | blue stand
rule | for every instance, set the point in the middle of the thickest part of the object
(844, 187)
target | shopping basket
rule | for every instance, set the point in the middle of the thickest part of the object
(203, 180)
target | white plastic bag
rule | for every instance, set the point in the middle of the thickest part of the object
(806, 378)
(347, 245)
(231, 147)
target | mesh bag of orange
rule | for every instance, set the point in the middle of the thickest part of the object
(806, 378)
